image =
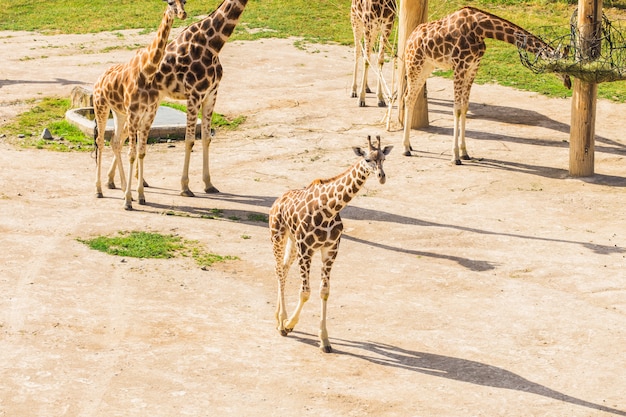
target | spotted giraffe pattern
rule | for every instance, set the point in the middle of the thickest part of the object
(457, 42)
(126, 90)
(305, 221)
(191, 71)
(368, 19)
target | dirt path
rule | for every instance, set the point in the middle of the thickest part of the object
(491, 289)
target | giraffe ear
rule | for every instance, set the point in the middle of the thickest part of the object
(387, 150)
(358, 151)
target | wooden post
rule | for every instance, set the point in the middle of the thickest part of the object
(412, 13)
(584, 95)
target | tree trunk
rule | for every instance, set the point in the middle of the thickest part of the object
(584, 95)
(412, 13)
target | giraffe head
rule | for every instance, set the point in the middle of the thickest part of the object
(177, 7)
(374, 157)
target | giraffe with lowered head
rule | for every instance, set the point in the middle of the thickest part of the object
(307, 220)
(126, 90)
(457, 42)
(368, 19)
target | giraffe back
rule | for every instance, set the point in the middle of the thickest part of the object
(191, 63)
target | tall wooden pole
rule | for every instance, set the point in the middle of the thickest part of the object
(411, 14)
(584, 95)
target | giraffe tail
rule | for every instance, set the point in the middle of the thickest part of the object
(95, 142)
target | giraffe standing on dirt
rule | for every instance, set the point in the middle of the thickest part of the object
(369, 18)
(457, 42)
(127, 90)
(307, 220)
(191, 70)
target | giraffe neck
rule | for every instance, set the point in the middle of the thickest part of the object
(222, 22)
(340, 190)
(494, 27)
(153, 54)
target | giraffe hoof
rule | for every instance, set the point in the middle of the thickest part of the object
(368, 90)
(111, 186)
(99, 195)
(466, 158)
(382, 103)
(211, 190)
(187, 193)
(407, 153)
(128, 207)
(458, 162)
(142, 201)
(326, 349)
(283, 332)
(362, 103)
(354, 94)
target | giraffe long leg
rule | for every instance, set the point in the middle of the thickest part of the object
(304, 260)
(284, 254)
(101, 112)
(207, 115)
(279, 241)
(367, 47)
(416, 79)
(328, 258)
(117, 142)
(463, 80)
(193, 106)
(132, 156)
(142, 142)
(384, 36)
(357, 31)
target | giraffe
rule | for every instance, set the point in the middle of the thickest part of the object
(457, 42)
(307, 220)
(368, 18)
(191, 71)
(126, 90)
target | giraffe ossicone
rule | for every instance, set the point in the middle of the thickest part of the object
(305, 221)
(457, 42)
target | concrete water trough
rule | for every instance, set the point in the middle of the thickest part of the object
(169, 123)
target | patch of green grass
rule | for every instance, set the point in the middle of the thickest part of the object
(137, 244)
(218, 120)
(319, 21)
(257, 217)
(153, 245)
(48, 113)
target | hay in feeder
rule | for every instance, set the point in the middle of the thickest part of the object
(597, 60)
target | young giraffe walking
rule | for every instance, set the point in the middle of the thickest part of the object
(457, 42)
(369, 18)
(307, 220)
(127, 90)
(191, 70)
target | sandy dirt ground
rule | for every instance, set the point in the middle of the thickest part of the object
(496, 288)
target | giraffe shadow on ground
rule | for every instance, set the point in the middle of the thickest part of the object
(516, 116)
(254, 216)
(61, 81)
(355, 212)
(542, 171)
(448, 367)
